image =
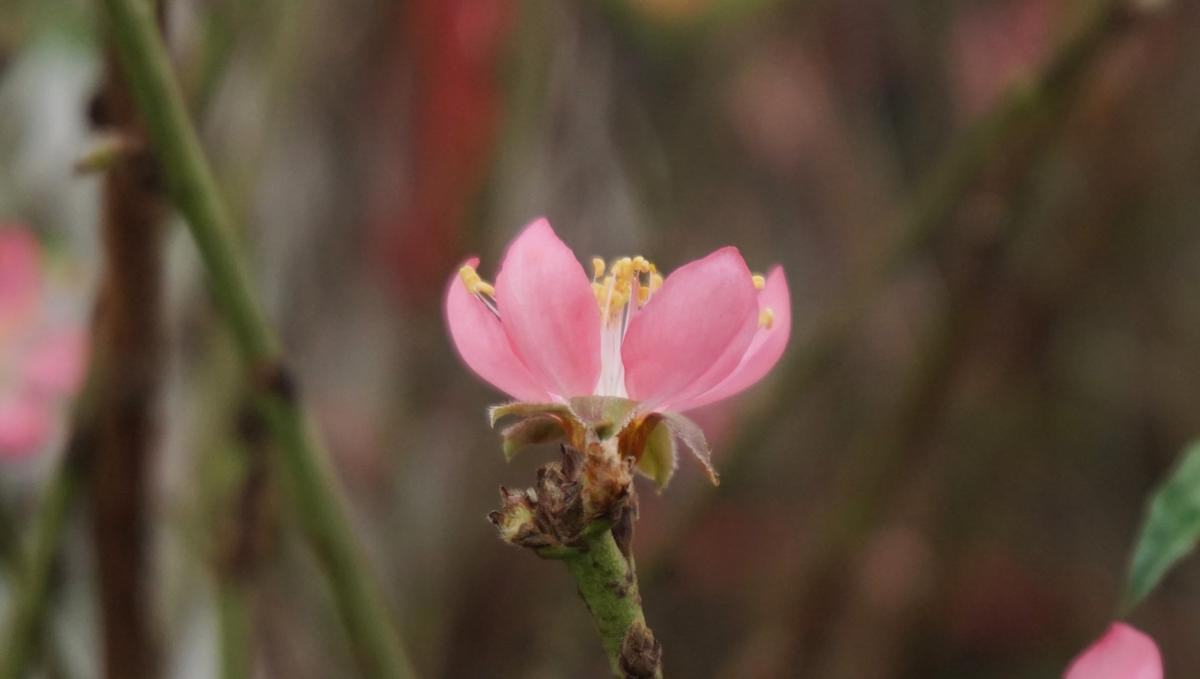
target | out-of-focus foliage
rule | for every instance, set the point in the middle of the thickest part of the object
(1171, 528)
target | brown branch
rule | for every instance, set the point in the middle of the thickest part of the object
(128, 325)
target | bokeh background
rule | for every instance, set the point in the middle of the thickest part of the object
(992, 362)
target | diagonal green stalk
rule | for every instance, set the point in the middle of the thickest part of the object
(21, 633)
(305, 476)
(23, 638)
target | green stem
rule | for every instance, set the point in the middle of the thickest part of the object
(233, 613)
(312, 495)
(608, 585)
(188, 176)
(29, 607)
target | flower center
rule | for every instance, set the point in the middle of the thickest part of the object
(629, 284)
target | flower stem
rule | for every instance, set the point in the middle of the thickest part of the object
(608, 584)
(312, 495)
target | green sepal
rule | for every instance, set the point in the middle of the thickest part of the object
(1170, 530)
(692, 437)
(607, 415)
(659, 459)
(523, 409)
(529, 431)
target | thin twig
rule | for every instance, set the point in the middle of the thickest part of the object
(22, 638)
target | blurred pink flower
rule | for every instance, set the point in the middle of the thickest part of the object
(55, 364)
(996, 44)
(1122, 653)
(40, 361)
(24, 425)
(547, 332)
(18, 276)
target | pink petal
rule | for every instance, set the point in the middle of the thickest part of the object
(764, 350)
(693, 332)
(55, 366)
(24, 426)
(1122, 653)
(483, 344)
(19, 271)
(549, 312)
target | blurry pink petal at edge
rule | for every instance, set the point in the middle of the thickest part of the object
(549, 312)
(1122, 653)
(55, 366)
(693, 332)
(19, 270)
(24, 426)
(483, 344)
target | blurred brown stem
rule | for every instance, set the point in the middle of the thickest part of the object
(129, 325)
(239, 552)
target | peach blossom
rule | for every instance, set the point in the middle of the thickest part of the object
(1122, 653)
(548, 332)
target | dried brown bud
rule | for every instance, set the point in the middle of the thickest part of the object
(570, 495)
(641, 653)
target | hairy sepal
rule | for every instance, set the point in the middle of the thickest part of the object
(692, 437)
(659, 459)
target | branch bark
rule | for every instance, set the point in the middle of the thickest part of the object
(129, 325)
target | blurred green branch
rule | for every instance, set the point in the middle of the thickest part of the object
(22, 630)
(1026, 110)
(305, 475)
(22, 637)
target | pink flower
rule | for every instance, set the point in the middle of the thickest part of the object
(547, 332)
(1122, 653)
(40, 361)
(622, 347)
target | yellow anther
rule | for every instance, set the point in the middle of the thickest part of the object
(766, 318)
(759, 281)
(473, 283)
(469, 277)
(623, 268)
(615, 291)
